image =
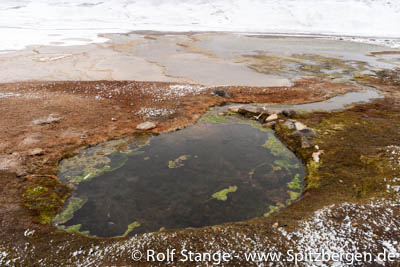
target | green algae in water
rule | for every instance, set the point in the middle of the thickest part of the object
(223, 194)
(295, 183)
(177, 163)
(130, 228)
(157, 183)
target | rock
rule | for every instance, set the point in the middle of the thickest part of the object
(275, 225)
(222, 93)
(288, 113)
(113, 119)
(52, 118)
(234, 109)
(272, 117)
(270, 124)
(13, 163)
(305, 132)
(289, 124)
(299, 126)
(35, 152)
(250, 111)
(316, 155)
(305, 143)
(148, 125)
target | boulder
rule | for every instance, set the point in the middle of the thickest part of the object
(148, 125)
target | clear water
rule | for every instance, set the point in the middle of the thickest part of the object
(170, 181)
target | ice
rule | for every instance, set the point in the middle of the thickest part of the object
(75, 22)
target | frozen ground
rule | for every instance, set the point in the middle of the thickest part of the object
(43, 22)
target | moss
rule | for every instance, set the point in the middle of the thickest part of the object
(130, 228)
(295, 183)
(35, 190)
(177, 163)
(223, 194)
(74, 204)
(45, 198)
(313, 179)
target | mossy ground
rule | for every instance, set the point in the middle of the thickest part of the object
(45, 198)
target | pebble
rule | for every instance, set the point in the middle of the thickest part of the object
(148, 125)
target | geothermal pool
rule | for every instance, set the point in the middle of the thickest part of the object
(222, 169)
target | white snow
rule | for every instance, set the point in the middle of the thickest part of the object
(74, 22)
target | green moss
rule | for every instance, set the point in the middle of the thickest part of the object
(45, 198)
(36, 190)
(130, 228)
(313, 179)
(295, 183)
(177, 163)
(223, 194)
(74, 204)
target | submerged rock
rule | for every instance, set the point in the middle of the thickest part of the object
(148, 125)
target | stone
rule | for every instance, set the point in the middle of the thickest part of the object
(234, 109)
(305, 132)
(148, 125)
(113, 119)
(299, 126)
(250, 111)
(305, 143)
(275, 225)
(316, 155)
(35, 152)
(289, 124)
(222, 93)
(288, 113)
(272, 117)
(52, 118)
(270, 124)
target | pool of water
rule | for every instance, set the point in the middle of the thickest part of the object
(222, 169)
